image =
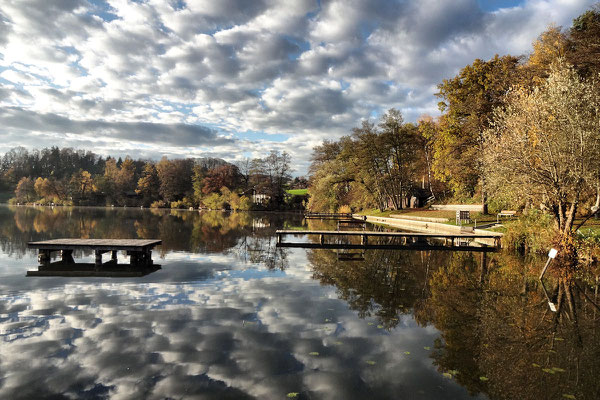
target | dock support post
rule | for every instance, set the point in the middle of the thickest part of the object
(44, 257)
(67, 256)
(279, 238)
(98, 262)
(363, 240)
(113, 255)
(322, 239)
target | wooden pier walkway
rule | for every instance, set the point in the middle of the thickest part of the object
(138, 250)
(364, 235)
(345, 216)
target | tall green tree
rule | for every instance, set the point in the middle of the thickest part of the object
(467, 103)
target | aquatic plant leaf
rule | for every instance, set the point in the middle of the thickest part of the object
(292, 395)
(380, 326)
(313, 353)
(370, 362)
(557, 369)
(536, 365)
(484, 378)
(427, 348)
(568, 396)
(447, 375)
(548, 371)
(370, 323)
(407, 352)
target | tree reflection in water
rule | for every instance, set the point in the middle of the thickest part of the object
(498, 335)
(249, 235)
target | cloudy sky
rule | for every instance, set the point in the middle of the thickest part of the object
(237, 78)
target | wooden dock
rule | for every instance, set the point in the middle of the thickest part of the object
(336, 216)
(365, 235)
(138, 250)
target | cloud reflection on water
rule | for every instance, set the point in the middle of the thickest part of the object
(209, 330)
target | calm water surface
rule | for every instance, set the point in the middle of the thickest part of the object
(231, 316)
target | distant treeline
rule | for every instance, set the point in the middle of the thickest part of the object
(514, 132)
(77, 177)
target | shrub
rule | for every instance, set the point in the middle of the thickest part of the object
(533, 232)
(345, 209)
(158, 204)
(214, 201)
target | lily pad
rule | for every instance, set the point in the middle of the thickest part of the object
(484, 378)
(380, 326)
(407, 352)
(292, 395)
(370, 362)
(370, 323)
(427, 348)
(313, 353)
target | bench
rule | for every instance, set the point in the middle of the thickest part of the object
(505, 213)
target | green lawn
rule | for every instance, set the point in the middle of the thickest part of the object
(298, 192)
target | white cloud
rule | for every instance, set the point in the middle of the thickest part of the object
(301, 69)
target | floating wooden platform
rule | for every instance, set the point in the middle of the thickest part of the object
(139, 250)
(364, 235)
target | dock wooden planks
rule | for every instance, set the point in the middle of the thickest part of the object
(364, 235)
(95, 244)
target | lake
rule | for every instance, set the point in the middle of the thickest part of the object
(229, 315)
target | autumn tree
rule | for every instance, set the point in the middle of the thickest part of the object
(550, 46)
(427, 130)
(82, 184)
(125, 177)
(175, 177)
(223, 176)
(583, 44)
(41, 187)
(25, 191)
(545, 145)
(148, 184)
(467, 104)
